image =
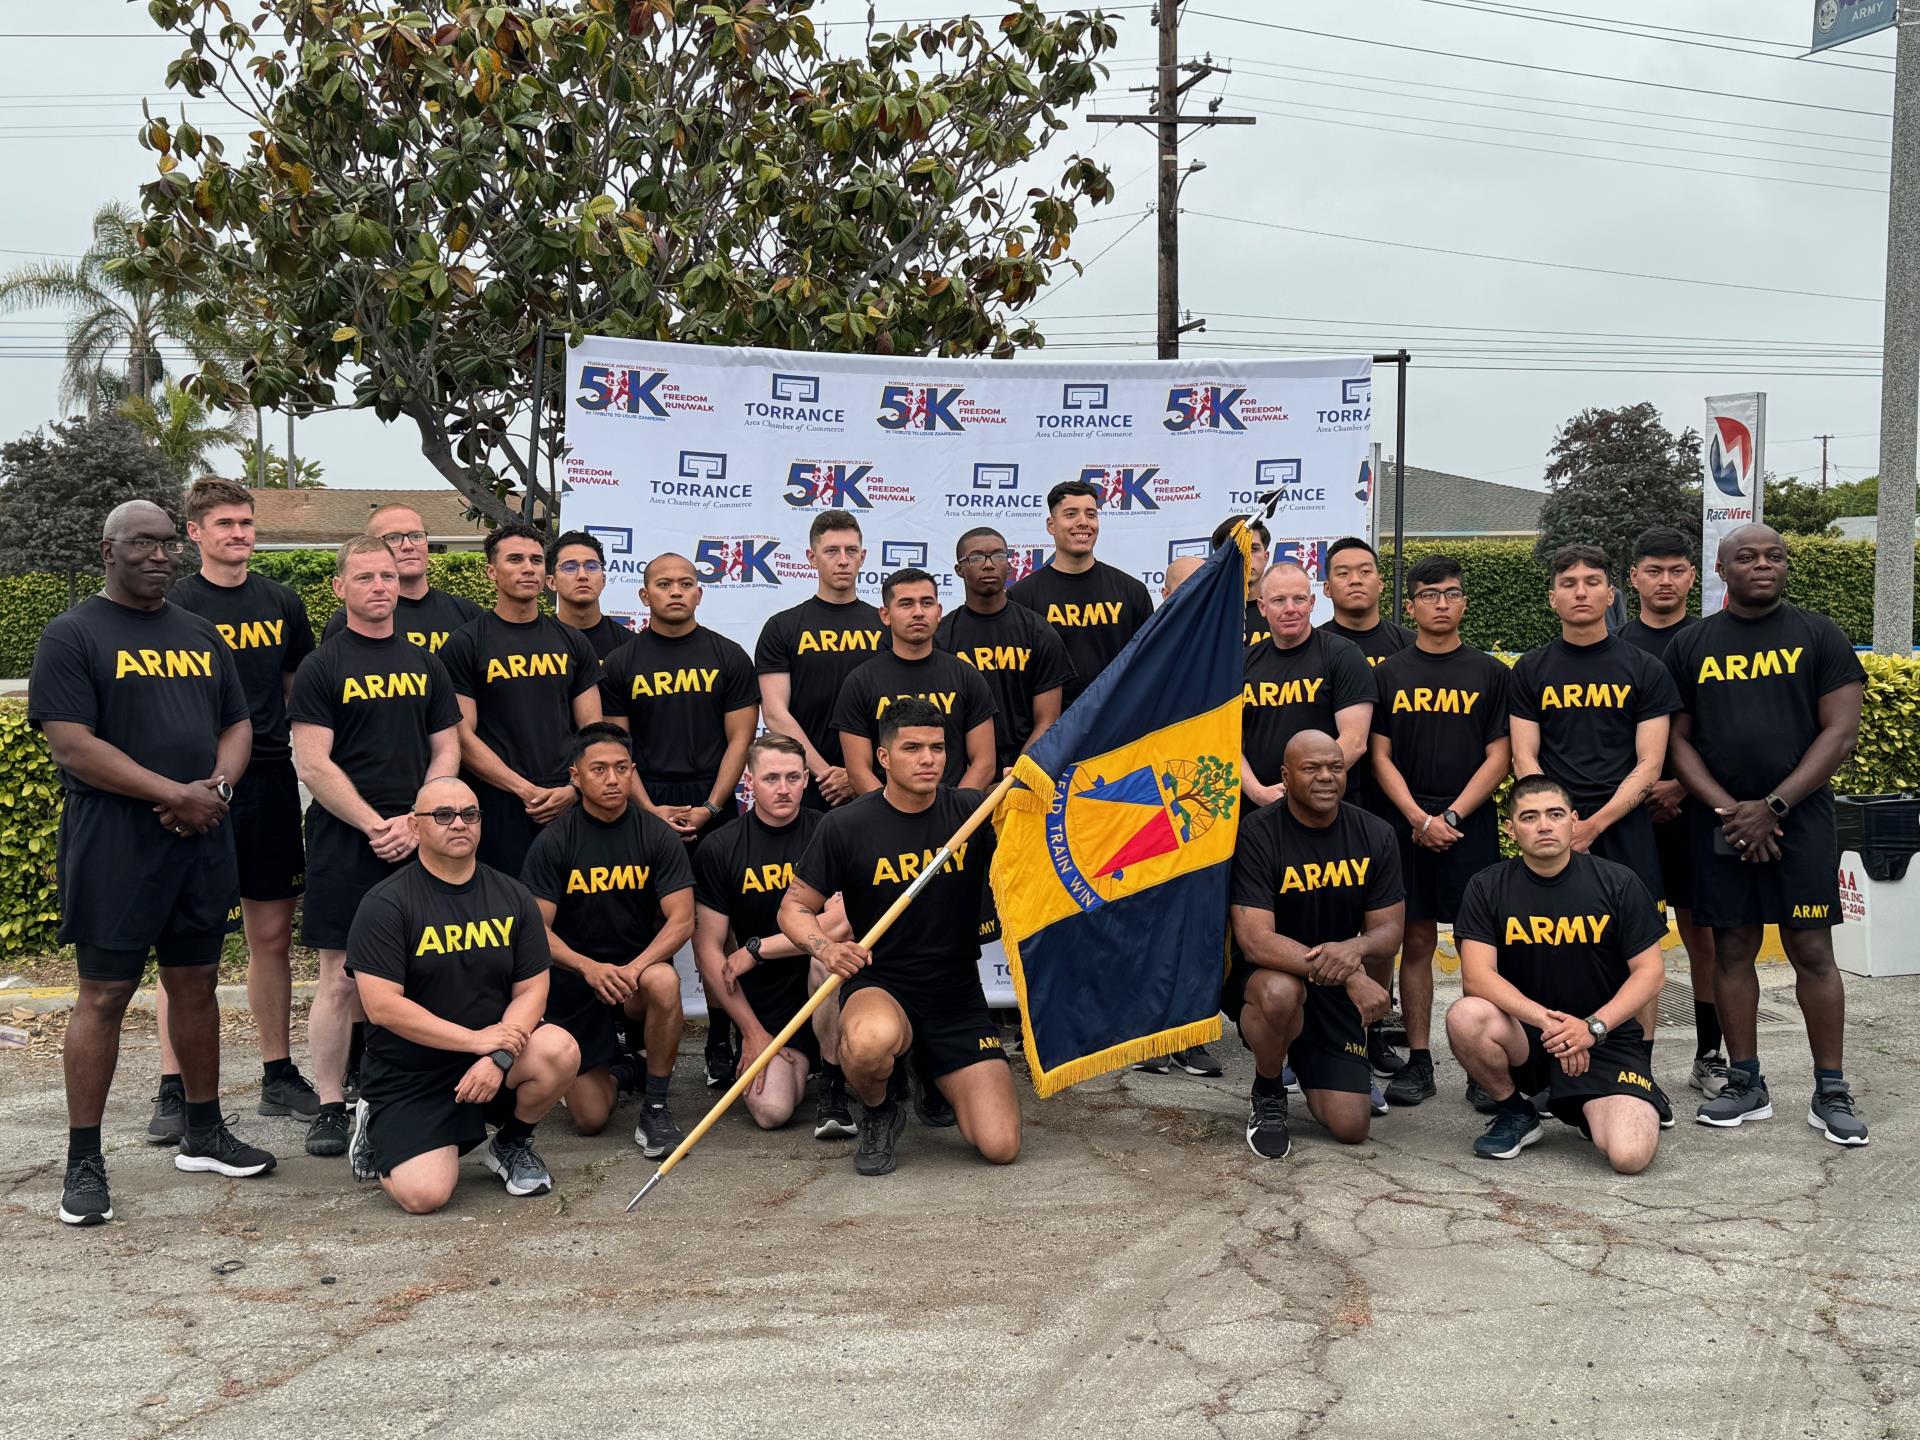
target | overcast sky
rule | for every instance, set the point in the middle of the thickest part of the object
(1716, 180)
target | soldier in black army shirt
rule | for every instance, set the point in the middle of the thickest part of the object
(1095, 608)
(424, 615)
(1352, 583)
(1298, 679)
(577, 576)
(1016, 652)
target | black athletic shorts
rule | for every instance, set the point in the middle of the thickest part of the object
(266, 832)
(952, 1027)
(127, 882)
(776, 989)
(413, 1112)
(1330, 1052)
(95, 962)
(506, 830)
(341, 869)
(1673, 844)
(1629, 841)
(1617, 1065)
(1437, 879)
(1800, 890)
(593, 1024)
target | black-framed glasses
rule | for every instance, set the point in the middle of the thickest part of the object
(445, 815)
(998, 557)
(1434, 597)
(143, 546)
(580, 567)
(404, 537)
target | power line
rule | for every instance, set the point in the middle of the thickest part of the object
(1798, 49)
(1543, 264)
(1542, 69)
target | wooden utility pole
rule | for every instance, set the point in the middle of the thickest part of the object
(1166, 121)
(1823, 439)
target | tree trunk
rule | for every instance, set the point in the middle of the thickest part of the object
(439, 452)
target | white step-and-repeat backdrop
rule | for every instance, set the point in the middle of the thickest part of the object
(725, 455)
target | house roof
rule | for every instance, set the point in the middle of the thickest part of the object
(328, 517)
(1440, 504)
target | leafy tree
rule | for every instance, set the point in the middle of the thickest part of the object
(306, 471)
(428, 186)
(183, 428)
(56, 489)
(1797, 507)
(1614, 473)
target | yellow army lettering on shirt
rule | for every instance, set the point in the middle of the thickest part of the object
(939, 699)
(903, 869)
(1288, 692)
(1758, 666)
(398, 686)
(527, 667)
(427, 640)
(1084, 617)
(603, 879)
(770, 879)
(164, 664)
(836, 642)
(1576, 696)
(452, 938)
(1325, 875)
(997, 657)
(1812, 912)
(252, 634)
(1424, 701)
(673, 682)
(1556, 929)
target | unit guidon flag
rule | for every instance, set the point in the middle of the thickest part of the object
(1113, 862)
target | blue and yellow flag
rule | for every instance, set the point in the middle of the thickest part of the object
(1112, 869)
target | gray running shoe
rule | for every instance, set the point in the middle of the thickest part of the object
(1198, 1060)
(169, 1122)
(1831, 1113)
(519, 1169)
(1709, 1075)
(291, 1094)
(360, 1147)
(1156, 1065)
(1739, 1102)
(1376, 1098)
(880, 1127)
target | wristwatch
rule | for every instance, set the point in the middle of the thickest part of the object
(752, 947)
(502, 1058)
(1596, 1027)
(225, 792)
(1778, 806)
(714, 810)
(1452, 817)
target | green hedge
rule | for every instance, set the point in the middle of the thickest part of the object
(464, 572)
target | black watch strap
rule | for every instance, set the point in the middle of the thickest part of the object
(502, 1058)
(752, 947)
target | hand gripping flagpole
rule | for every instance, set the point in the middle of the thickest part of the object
(820, 996)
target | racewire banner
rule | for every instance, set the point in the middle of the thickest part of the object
(725, 455)
(1735, 456)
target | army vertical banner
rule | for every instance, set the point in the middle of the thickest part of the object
(1735, 456)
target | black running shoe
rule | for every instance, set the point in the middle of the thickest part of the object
(832, 1116)
(169, 1122)
(1662, 1106)
(655, 1132)
(85, 1200)
(1156, 1064)
(291, 1094)
(219, 1152)
(328, 1133)
(1481, 1100)
(1414, 1083)
(360, 1147)
(1267, 1133)
(629, 1074)
(722, 1060)
(880, 1127)
(1198, 1060)
(930, 1102)
(1381, 1057)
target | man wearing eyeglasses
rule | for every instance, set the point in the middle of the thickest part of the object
(1016, 652)
(145, 718)
(374, 718)
(423, 615)
(577, 574)
(451, 962)
(1439, 752)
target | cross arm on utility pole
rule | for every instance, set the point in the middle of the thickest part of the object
(1175, 120)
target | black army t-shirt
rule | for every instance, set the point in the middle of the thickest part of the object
(522, 677)
(743, 870)
(606, 879)
(954, 688)
(817, 645)
(265, 626)
(1588, 701)
(1095, 614)
(1439, 714)
(868, 853)
(1655, 640)
(1382, 641)
(383, 700)
(158, 685)
(1564, 940)
(605, 635)
(1257, 627)
(1753, 688)
(1318, 881)
(428, 622)
(675, 693)
(456, 950)
(1304, 688)
(1019, 656)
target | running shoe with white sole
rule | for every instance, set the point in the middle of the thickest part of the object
(1709, 1074)
(85, 1199)
(722, 1060)
(1377, 1099)
(1289, 1079)
(1198, 1060)
(1507, 1134)
(1156, 1064)
(655, 1132)
(1831, 1113)
(360, 1145)
(220, 1152)
(832, 1115)
(520, 1170)
(1267, 1133)
(1662, 1106)
(1742, 1100)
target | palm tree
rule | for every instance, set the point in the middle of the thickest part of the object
(115, 328)
(183, 429)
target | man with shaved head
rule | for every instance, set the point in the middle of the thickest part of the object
(423, 615)
(1316, 895)
(1770, 697)
(450, 958)
(146, 719)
